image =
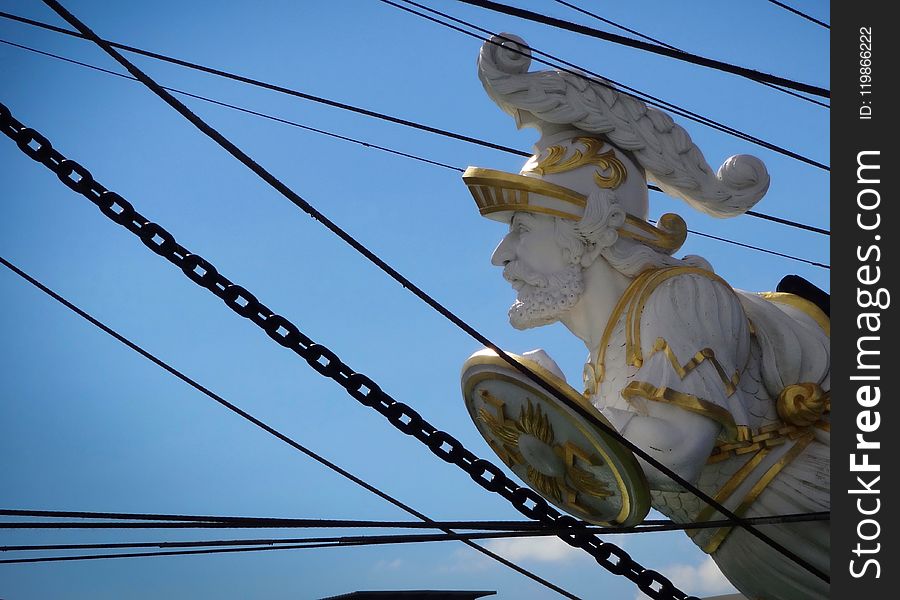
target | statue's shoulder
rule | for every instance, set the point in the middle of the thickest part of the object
(687, 308)
(658, 284)
(660, 295)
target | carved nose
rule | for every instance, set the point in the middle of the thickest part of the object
(504, 253)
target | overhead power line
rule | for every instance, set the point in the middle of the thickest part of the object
(751, 74)
(269, 429)
(244, 303)
(325, 101)
(661, 43)
(801, 14)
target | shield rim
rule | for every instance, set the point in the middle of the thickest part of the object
(623, 464)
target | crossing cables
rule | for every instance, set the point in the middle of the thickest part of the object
(324, 361)
(751, 74)
(376, 146)
(164, 521)
(154, 232)
(591, 76)
(670, 46)
(346, 541)
(321, 359)
(800, 13)
(324, 101)
(358, 386)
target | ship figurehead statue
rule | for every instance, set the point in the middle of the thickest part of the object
(729, 389)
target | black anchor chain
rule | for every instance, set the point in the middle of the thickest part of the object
(327, 363)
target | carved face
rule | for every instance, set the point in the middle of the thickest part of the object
(547, 283)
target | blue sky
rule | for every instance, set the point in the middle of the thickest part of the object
(86, 424)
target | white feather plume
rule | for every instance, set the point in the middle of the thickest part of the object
(660, 146)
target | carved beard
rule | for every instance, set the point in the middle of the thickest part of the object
(542, 299)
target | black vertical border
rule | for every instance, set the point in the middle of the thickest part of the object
(851, 135)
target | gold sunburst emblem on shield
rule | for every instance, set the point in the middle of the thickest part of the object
(550, 467)
(575, 465)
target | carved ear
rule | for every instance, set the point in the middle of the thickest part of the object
(591, 253)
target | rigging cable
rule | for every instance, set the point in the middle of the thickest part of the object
(598, 79)
(801, 14)
(394, 411)
(273, 87)
(245, 310)
(756, 248)
(674, 108)
(328, 102)
(170, 553)
(267, 428)
(357, 385)
(359, 142)
(320, 542)
(162, 521)
(407, 538)
(663, 50)
(661, 43)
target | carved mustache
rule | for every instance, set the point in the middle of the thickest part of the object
(519, 275)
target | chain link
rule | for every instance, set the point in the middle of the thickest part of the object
(327, 363)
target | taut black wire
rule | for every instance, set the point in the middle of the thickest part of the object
(322, 542)
(169, 553)
(356, 141)
(751, 74)
(269, 429)
(774, 219)
(274, 87)
(421, 294)
(411, 538)
(281, 89)
(361, 540)
(325, 101)
(598, 79)
(237, 108)
(757, 248)
(165, 521)
(801, 14)
(661, 43)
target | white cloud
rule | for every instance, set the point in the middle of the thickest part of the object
(466, 560)
(699, 580)
(545, 549)
(382, 565)
(537, 549)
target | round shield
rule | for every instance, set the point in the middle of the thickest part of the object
(574, 465)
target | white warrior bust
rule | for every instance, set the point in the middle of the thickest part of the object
(729, 389)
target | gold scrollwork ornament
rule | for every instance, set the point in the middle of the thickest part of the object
(802, 404)
(555, 162)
